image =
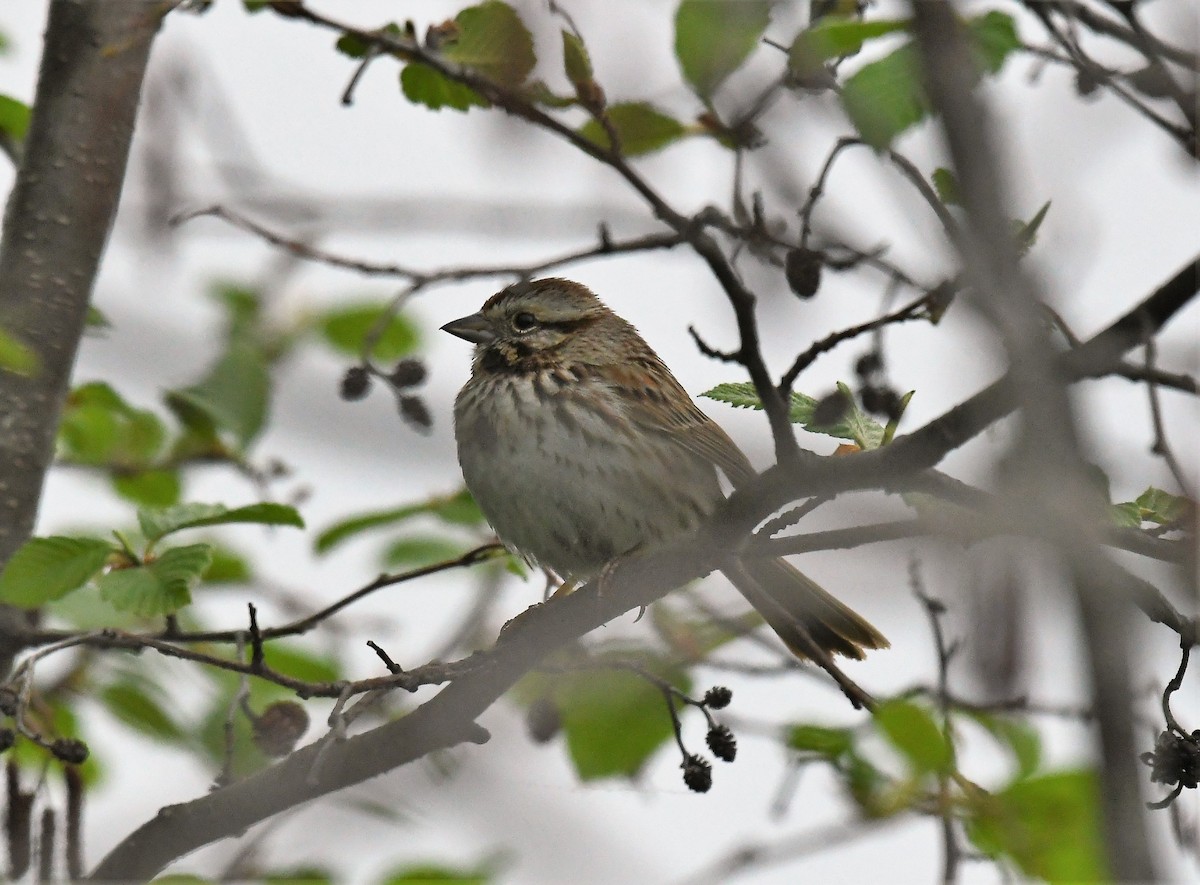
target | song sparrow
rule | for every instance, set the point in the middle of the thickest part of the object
(581, 447)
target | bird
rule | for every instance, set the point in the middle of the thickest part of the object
(581, 448)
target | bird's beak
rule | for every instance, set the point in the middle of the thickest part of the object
(476, 328)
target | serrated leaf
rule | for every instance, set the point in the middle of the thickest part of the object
(1049, 826)
(912, 731)
(43, 569)
(346, 329)
(156, 523)
(833, 37)
(160, 587)
(233, 396)
(16, 356)
(946, 185)
(820, 739)
(421, 84)
(1161, 507)
(457, 509)
(714, 37)
(149, 488)
(739, 394)
(640, 126)
(855, 424)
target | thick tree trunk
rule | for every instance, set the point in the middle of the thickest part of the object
(55, 228)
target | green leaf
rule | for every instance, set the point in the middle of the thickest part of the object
(300, 876)
(159, 522)
(1019, 738)
(640, 127)
(1048, 825)
(820, 739)
(15, 356)
(855, 424)
(1161, 507)
(95, 321)
(243, 308)
(132, 704)
(418, 552)
(613, 720)
(889, 432)
(43, 569)
(866, 432)
(421, 84)
(162, 586)
(429, 873)
(493, 41)
(884, 98)
(351, 45)
(912, 731)
(539, 93)
(490, 40)
(98, 427)
(347, 328)
(1127, 515)
(946, 185)
(227, 567)
(457, 509)
(739, 394)
(300, 663)
(867, 786)
(149, 488)
(14, 118)
(576, 61)
(995, 37)
(714, 37)
(1026, 231)
(232, 397)
(833, 37)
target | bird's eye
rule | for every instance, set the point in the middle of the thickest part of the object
(523, 322)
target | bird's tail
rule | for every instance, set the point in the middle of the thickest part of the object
(789, 599)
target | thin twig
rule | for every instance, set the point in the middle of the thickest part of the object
(934, 609)
(425, 278)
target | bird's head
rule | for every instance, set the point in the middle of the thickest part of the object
(521, 327)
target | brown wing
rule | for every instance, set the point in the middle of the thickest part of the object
(665, 407)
